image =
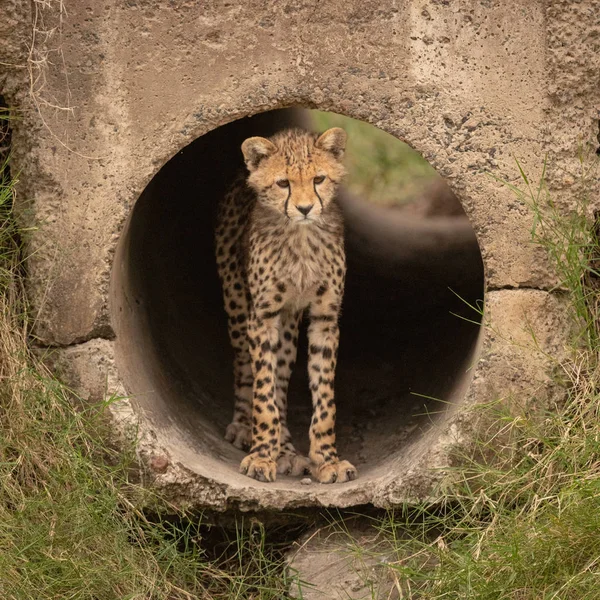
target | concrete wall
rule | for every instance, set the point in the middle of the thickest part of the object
(470, 85)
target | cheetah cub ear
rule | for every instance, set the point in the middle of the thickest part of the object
(255, 149)
(334, 141)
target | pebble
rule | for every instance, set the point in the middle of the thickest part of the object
(160, 463)
(306, 481)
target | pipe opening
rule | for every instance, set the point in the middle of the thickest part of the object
(404, 354)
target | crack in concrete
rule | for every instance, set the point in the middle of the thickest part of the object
(550, 290)
(74, 344)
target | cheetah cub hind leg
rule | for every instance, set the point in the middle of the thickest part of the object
(292, 463)
(239, 435)
(335, 472)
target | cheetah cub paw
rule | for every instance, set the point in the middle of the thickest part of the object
(293, 464)
(262, 468)
(239, 435)
(335, 471)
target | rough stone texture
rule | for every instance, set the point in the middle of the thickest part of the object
(573, 89)
(464, 85)
(469, 85)
(326, 564)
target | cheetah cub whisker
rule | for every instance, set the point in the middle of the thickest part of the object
(280, 251)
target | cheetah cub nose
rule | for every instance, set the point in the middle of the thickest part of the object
(305, 209)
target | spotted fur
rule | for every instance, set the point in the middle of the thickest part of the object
(280, 252)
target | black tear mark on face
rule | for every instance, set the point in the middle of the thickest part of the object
(598, 139)
(317, 193)
(287, 200)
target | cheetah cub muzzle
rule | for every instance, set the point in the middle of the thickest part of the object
(280, 252)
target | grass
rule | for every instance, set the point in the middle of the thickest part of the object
(68, 523)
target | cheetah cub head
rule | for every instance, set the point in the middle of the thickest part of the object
(296, 172)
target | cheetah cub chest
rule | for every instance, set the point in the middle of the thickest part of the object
(280, 252)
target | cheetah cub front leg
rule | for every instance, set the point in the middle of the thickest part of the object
(289, 461)
(272, 362)
(261, 461)
(323, 341)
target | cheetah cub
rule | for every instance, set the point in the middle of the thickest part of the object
(280, 251)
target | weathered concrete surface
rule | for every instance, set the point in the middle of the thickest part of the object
(331, 564)
(573, 90)
(465, 84)
(471, 86)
